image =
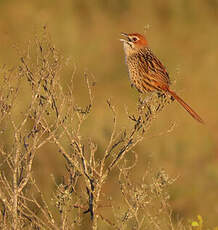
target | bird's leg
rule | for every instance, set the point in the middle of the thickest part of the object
(144, 106)
(163, 99)
(161, 95)
(147, 99)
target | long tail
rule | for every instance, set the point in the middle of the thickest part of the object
(185, 106)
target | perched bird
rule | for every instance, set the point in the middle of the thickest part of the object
(146, 72)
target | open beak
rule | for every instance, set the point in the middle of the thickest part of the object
(126, 36)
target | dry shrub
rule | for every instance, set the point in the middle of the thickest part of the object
(50, 114)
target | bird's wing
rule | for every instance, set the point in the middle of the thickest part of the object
(155, 69)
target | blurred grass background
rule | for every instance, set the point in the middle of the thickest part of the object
(183, 34)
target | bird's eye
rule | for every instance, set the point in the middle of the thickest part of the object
(134, 39)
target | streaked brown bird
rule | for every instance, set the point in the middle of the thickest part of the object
(146, 72)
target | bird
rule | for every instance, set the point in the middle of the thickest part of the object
(146, 71)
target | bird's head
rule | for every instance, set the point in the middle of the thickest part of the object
(133, 42)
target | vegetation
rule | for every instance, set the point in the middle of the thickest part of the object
(52, 116)
(80, 149)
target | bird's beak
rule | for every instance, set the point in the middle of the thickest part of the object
(126, 36)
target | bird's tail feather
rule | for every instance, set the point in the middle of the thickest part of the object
(186, 107)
